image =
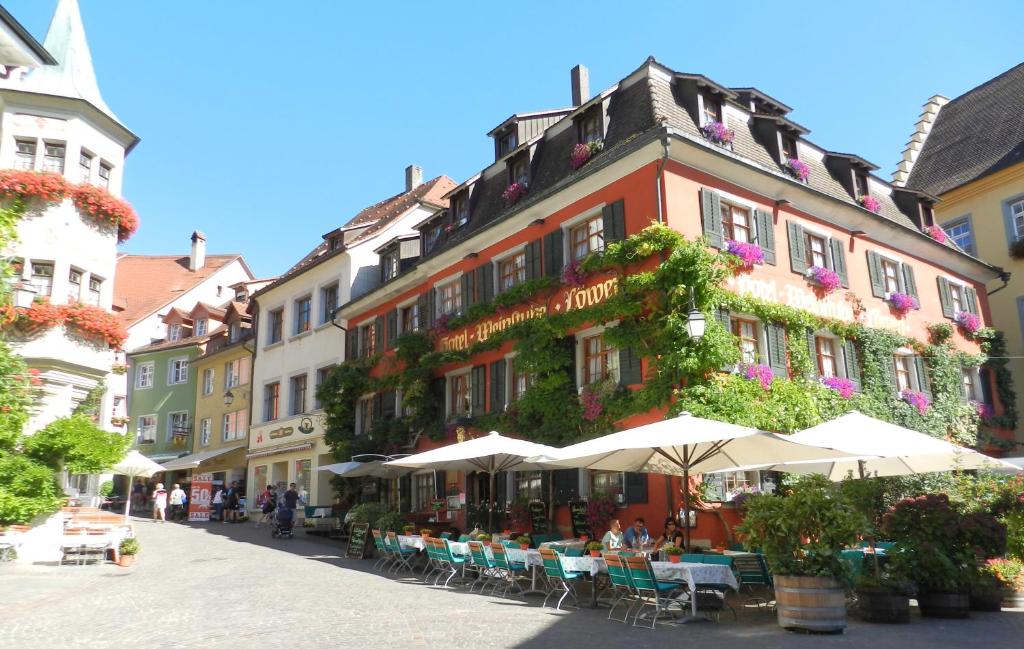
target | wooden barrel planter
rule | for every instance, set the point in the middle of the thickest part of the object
(944, 605)
(1013, 599)
(883, 606)
(989, 602)
(815, 604)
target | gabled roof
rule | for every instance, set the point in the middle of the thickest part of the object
(20, 48)
(975, 135)
(144, 284)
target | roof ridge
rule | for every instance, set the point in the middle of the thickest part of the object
(983, 84)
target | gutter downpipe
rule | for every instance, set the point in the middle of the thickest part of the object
(658, 185)
(1004, 277)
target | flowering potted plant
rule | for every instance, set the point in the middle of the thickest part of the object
(984, 410)
(573, 274)
(761, 373)
(591, 400)
(119, 421)
(844, 387)
(408, 529)
(1010, 575)
(594, 548)
(524, 542)
(126, 552)
(826, 278)
(584, 537)
(743, 256)
(582, 153)
(798, 169)
(936, 232)
(902, 303)
(967, 322)
(119, 368)
(718, 133)
(425, 532)
(870, 203)
(917, 399)
(986, 589)
(674, 554)
(514, 192)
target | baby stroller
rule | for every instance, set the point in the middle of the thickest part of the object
(283, 520)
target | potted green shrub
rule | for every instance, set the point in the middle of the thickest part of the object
(524, 542)
(1009, 572)
(425, 532)
(408, 529)
(802, 534)
(986, 590)
(883, 596)
(673, 553)
(126, 552)
(594, 548)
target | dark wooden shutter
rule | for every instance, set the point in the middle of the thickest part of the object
(630, 372)
(876, 275)
(392, 327)
(567, 485)
(378, 333)
(569, 344)
(501, 488)
(797, 247)
(439, 392)
(812, 350)
(498, 386)
(429, 307)
(614, 216)
(421, 304)
(889, 367)
(723, 317)
(850, 362)
(985, 379)
(405, 493)
(945, 299)
(776, 336)
(352, 344)
(440, 483)
(765, 234)
(909, 283)
(839, 261)
(533, 260)
(484, 281)
(554, 253)
(924, 381)
(636, 488)
(378, 407)
(468, 294)
(478, 388)
(711, 210)
(971, 300)
(388, 404)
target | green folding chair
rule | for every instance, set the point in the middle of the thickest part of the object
(507, 569)
(558, 576)
(693, 558)
(401, 554)
(650, 592)
(454, 563)
(622, 588)
(382, 550)
(486, 568)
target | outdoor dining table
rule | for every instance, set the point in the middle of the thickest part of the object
(102, 542)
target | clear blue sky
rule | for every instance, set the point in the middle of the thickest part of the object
(268, 123)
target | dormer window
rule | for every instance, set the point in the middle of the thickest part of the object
(927, 215)
(590, 126)
(334, 243)
(200, 327)
(431, 237)
(519, 169)
(240, 295)
(460, 209)
(860, 180)
(710, 108)
(174, 332)
(789, 151)
(507, 142)
(389, 263)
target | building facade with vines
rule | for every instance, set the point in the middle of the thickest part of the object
(549, 300)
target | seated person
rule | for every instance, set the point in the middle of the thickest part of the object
(612, 539)
(671, 536)
(637, 535)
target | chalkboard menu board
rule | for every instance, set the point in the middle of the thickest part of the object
(358, 537)
(538, 516)
(578, 516)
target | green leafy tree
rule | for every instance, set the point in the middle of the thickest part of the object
(27, 489)
(77, 445)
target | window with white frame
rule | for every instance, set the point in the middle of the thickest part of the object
(957, 297)
(236, 372)
(460, 208)
(178, 371)
(297, 400)
(726, 486)
(586, 237)
(459, 394)
(529, 485)
(611, 483)
(410, 317)
(890, 275)
(736, 223)
(207, 381)
(275, 325)
(817, 250)
(199, 328)
(84, 166)
(303, 314)
(95, 283)
(328, 302)
(234, 332)
(390, 262)
(519, 380)
(959, 230)
(53, 160)
(598, 360)
(367, 339)
(74, 284)
(174, 332)
(177, 424)
(748, 339)
(903, 365)
(25, 154)
(144, 375)
(970, 383)
(205, 431)
(826, 356)
(234, 425)
(271, 401)
(104, 175)
(42, 278)
(449, 298)
(511, 271)
(364, 416)
(1017, 214)
(146, 429)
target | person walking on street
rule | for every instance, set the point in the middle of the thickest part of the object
(159, 498)
(177, 503)
(267, 503)
(218, 503)
(231, 503)
(291, 497)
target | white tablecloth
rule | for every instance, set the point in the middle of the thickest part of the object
(693, 574)
(412, 541)
(88, 540)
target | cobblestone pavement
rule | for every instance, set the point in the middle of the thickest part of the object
(224, 585)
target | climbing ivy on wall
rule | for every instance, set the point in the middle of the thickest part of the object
(649, 314)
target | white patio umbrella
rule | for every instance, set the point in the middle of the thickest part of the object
(374, 469)
(135, 465)
(491, 453)
(680, 445)
(880, 448)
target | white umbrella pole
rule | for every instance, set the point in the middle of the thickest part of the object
(686, 508)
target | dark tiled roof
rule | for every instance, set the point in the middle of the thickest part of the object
(976, 134)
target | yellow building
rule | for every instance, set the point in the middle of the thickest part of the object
(223, 398)
(969, 153)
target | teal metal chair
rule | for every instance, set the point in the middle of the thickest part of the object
(435, 565)
(623, 592)
(752, 571)
(693, 558)
(573, 552)
(486, 568)
(402, 555)
(446, 535)
(382, 550)
(507, 569)
(454, 563)
(558, 576)
(650, 592)
(509, 543)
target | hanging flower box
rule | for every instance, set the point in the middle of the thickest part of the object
(985, 411)
(870, 203)
(118, 421)
(760, 373)
(84, 319)
(718, 133)
(179, 437)
(825, 278)
(798, 169)
(744, 256)
(936, 232)
(573, 274)
(902, 303)
(968, 322)
(582, 153)
(917, 399)
(119, 368)
(844, 387)
(513, 193)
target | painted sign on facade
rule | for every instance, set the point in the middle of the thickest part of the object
(200, 496)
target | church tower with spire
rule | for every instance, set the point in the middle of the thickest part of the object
(62, 154)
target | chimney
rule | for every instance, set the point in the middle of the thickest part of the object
(197, 259)
(413, 177)
(580, 85)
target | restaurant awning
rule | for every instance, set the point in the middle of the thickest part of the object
(274, 450)
(192, 460)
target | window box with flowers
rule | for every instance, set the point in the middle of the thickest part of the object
(743, 256)
(119, 421)
(573, 275)
(761, 373)
(870, 203)
(119, 368)
(514, 192)
(845, 387)
(902, 303)
(967, 322)
(824, 278)
(718, 133)
(582, 153)
(918, 400)
(936, 232)
(797, 169)
(85, 319)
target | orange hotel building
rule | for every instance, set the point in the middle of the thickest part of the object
(656, 165)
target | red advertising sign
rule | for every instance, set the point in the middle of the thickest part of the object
(199, 497)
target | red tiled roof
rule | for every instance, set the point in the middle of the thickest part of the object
(145, 283)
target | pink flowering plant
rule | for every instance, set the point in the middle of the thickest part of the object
(760, 373)
(441, 324)
(513, 193)
(592, 406)
(917, 399)
(968, 322)
(718, 133)
(902, 303)
(744, 255)
(936, 232)
(573, 274)
(844, 387)
(984, 410)
(798, 169)
(871, 203)
(826, 278)
(582, 153)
